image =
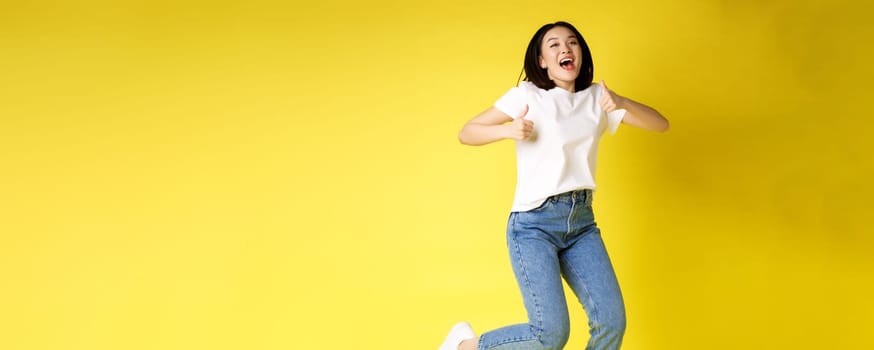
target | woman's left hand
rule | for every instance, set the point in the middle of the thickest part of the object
(609, 100)
(636, 114)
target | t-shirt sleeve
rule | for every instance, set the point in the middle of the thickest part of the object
(614, 118)
(513, 102)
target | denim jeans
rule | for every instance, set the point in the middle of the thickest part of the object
(560, 238)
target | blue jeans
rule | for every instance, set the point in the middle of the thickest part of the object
(560, 238)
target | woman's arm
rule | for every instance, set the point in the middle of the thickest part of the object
(637, 114)
(493, 125)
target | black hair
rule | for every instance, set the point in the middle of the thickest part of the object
(537, 75)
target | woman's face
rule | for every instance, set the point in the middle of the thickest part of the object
(560, 55)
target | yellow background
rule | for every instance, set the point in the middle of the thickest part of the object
(286, 175)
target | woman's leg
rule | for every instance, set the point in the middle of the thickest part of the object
(532, 238)
(587, 269)
(469, 344)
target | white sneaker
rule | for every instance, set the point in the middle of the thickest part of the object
(460, 332)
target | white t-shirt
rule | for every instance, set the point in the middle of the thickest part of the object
(562, 152)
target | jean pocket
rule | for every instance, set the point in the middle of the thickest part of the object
(541, 216)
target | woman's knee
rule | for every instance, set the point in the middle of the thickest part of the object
(556, 336)
(612, 326)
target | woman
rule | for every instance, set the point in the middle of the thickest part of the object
(556, 116)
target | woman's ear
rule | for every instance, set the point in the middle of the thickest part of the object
(542, 63)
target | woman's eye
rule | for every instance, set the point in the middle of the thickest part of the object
(573, 43)
(553, 45)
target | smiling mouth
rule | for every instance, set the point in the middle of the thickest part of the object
(567, 64)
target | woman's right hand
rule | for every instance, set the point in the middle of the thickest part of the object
(520, 129)
(493, 125)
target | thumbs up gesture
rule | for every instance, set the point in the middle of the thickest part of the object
(521, 128)
(609, 100)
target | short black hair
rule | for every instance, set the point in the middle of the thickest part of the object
(537, 75)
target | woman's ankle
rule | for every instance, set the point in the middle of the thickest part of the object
(469, 344)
